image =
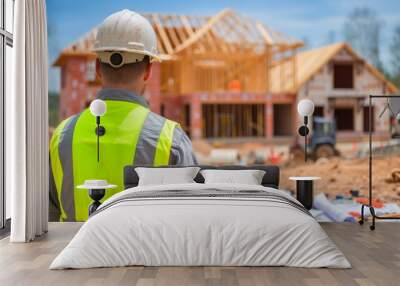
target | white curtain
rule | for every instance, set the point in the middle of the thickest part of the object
(27, 124)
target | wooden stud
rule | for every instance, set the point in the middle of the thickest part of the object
(162, 34)
(170, 30)
(199, 33)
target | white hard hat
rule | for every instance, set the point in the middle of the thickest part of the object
(125, 37)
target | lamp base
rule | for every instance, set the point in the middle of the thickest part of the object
(100, 130)
(96, 195)
(303, 130)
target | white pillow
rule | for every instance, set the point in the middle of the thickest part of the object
(248, 177)
(166, 176)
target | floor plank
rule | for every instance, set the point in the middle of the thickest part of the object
(375, 257)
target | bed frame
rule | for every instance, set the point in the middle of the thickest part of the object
(270, 179)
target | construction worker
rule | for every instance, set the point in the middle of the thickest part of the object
(126, 46)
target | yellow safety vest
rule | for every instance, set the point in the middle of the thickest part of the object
(73, 152)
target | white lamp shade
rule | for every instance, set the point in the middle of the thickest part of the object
(98, 107)
(305, 107)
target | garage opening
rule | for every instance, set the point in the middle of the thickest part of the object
(233, 120)
(318, 111)
(366, 119)
(344, 119)
(283, 124)
(162, 109)
(186, 120)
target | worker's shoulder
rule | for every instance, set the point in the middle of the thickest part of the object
(64, 124)
(67, 122)
(159, 117)
(155, 122)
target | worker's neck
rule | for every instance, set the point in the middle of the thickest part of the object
(134, 88)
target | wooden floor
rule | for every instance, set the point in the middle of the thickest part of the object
(375, 257)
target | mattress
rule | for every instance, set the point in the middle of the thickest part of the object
(201, 225)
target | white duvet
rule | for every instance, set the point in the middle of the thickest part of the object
(188, 231)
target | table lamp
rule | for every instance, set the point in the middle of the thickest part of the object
(305, 108)
(98, 108)
(97, 188)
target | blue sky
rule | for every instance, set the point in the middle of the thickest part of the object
(304, 19)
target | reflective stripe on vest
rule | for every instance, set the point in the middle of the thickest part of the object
(56, 163)
(163, 149)
(73, 151)
(65, 153)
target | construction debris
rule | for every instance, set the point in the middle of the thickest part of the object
(394, 176)
(340, 176)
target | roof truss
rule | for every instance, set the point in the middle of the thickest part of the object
(225, 32)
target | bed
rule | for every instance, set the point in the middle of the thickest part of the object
(201, 224)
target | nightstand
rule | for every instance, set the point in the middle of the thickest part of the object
(304, 190)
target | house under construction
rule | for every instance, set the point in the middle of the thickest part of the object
(225, 76)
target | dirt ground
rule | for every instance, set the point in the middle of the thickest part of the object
(339, 176)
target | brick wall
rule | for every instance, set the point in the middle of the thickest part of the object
(76, 93)
(74, 89)
(152, 93)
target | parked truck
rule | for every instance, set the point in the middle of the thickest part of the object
(321, 142)
(395, 127)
